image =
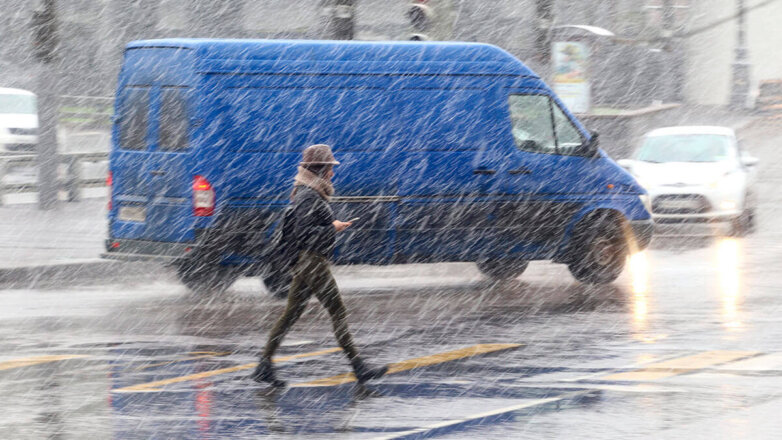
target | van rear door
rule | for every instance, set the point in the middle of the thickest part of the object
(169, 192)
(152, 183)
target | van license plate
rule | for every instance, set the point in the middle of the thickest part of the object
(132, 213)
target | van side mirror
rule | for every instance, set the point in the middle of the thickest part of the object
(590, 146)
(529, 145)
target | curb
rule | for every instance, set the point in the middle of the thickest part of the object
(79, 274)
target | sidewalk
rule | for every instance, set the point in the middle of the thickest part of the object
(71, 233)
(62, 245)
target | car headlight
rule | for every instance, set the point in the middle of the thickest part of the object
(646, 200)
(719, 181)
(728, 205)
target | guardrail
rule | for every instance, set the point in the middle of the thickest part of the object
(72, 183)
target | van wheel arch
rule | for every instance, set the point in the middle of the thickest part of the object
(598, 247)
(202, 278)
(502, 269)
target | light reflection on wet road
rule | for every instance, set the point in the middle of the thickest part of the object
(686, 343)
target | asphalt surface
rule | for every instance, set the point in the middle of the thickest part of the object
(686, 340)
(686, 344)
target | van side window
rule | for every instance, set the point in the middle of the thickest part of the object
(568, 137)
(133, 119)
(173, 119)
(533, 128)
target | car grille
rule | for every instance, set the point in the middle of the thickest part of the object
(23, 131)
(680, 204)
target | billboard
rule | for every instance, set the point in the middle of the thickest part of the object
(571, 81)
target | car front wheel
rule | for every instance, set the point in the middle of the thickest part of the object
(743, 224)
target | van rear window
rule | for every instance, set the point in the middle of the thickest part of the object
(134, 118)
(173, 119)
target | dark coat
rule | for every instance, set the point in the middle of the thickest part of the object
(313, 222)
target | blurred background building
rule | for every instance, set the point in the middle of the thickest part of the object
(652, 59)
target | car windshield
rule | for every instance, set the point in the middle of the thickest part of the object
(17, 104)
(685, 148)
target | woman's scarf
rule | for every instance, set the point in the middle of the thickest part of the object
(306, 177)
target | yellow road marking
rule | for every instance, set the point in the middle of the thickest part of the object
(415, 363)
(674, 367)
(156, 386)
(26, 362)
(200, 355)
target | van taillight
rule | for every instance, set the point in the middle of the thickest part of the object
(203, 197)
(109, 183)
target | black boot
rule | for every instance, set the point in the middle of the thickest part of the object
(364, 372)
(264, 372)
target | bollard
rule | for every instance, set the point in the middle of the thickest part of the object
(3, 171)
(73, 179)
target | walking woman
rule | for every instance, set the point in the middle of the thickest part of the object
(315, 230)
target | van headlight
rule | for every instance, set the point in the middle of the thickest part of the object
(642, 181)
(646, 200)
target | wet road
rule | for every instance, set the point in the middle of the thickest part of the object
(685, 345)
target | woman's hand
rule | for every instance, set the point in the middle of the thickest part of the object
(341, 226)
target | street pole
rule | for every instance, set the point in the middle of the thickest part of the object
(667, 66)
(739, 90)
(340, 19)
(544, 14)
(44, 25)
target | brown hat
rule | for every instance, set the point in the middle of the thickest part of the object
(319, 154)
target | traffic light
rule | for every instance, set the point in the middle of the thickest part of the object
(430, 19)
(421, 15)
(44, 28)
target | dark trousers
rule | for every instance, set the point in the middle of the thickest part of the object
(312, 276)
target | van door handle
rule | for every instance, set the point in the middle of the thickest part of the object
(484, 171)
(158, 173)
(520, 171)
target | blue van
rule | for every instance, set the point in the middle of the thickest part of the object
(450, 152)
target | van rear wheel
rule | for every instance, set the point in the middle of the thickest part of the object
(600, 252)
(202, 278)
(502, 269)
(277, 284)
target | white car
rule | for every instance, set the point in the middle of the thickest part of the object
(18, 120)
(697, 174)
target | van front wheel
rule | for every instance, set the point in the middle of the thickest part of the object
(201, 278)
(600, 252)
(502, 269)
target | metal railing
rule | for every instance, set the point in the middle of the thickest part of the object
(72, 182)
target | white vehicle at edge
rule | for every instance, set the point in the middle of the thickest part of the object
(696, 174)
(18, 120)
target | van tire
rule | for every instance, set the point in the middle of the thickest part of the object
(201, 278)
(599, 251)
(277, 284)
(502, 269)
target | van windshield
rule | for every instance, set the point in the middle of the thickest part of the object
(685, 148)
(17, 104)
